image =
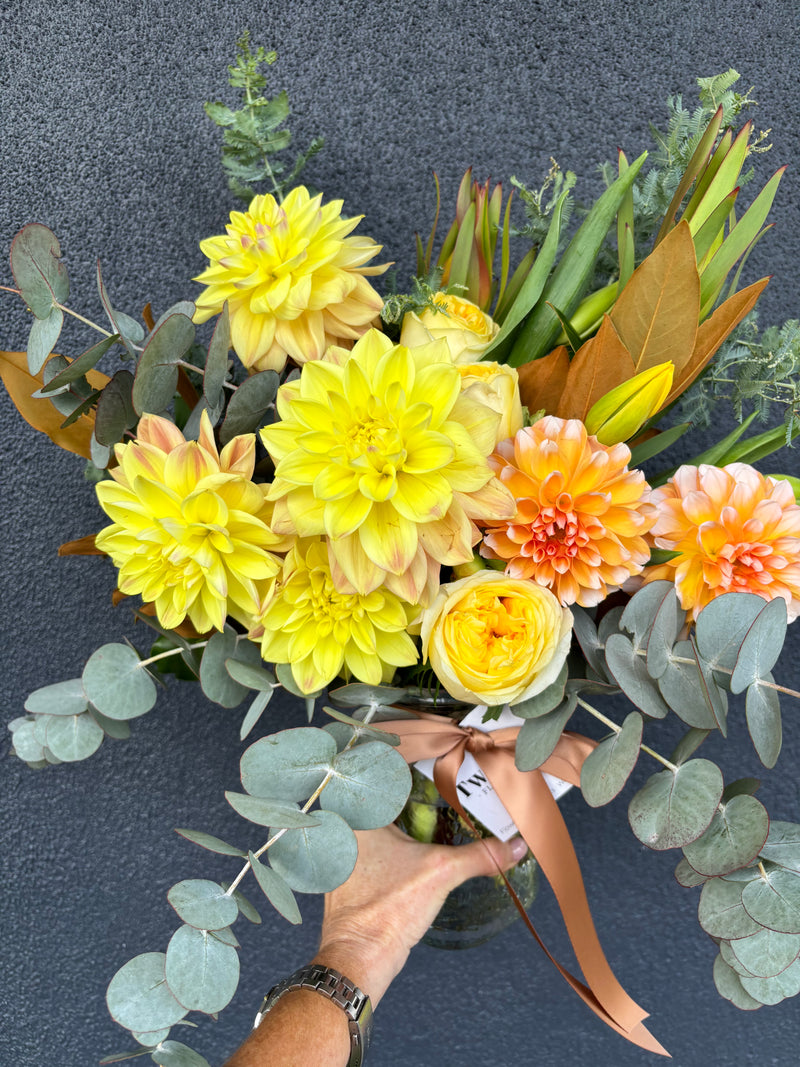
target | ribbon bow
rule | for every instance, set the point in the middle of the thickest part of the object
(528, 800)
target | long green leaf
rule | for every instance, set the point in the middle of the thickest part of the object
(699, 159)
(725, 178)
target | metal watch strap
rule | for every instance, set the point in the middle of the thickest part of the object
(330, 983)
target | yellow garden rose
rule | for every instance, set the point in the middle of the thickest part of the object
(467, 330)
(495, 640)
(496, 386)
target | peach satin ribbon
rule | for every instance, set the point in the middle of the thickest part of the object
(529, 802)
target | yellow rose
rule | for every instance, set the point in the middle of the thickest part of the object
(496, 386)
(495, 640)
(467, 330)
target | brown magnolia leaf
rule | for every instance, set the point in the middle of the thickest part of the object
(83, 546)
(712, 333)
(542, 381)
(147, 316)
(656, 313)
(599, 365)
(38, 412)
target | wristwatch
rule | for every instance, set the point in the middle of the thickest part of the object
(330, 983)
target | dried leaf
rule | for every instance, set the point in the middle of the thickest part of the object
(657, 312)
(712, 333)
(40, 413)
(599, 365)
(83, 546)
(542, 382)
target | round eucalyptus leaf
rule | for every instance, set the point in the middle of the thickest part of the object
(254, 713)
(767, 953)
(538, 738)
(357, 694)
(138, 996)
(587, 637)
(761, 646)
(216, 366)
(747, 786)
(608, 767)
(37, 268)
(40, 728)
(783, 845)
(115, 411)
(545, 702)
(744, 875)
(688, 745)
(721, 912)
(369, 786)
(688, 693)
(201, 970)
(157, 373)
(687, 876)
(74, 737)
(727, 953)
(276, 891)
(226, 936)
(118, 729)
(150, 1038)
(26, 746)
(611, 623)
(763, 710)
(667, 625)
(51, 757)
(641, 610)
(129, 328)
(730, 987)
(253, 677)
(340, 732)
(722, 625)
(116, 683)
(215, 679)
(62, 698)
(42, 339)
(774, 900)
(270, 811)
(673, 809)
(316, 860)
(211, 843)
(290, 764)
(734, 838)
(774, 990)
(630, 673)
(249, 405)
(245, 907)
(176, 1054)
(203, 904)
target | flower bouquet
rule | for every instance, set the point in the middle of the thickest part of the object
(455, 509)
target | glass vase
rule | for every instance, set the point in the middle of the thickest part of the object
(480, 907)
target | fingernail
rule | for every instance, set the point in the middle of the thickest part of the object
(519, 848)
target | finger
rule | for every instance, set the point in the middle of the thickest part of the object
(484, 857)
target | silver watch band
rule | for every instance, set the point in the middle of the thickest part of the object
(330, 983)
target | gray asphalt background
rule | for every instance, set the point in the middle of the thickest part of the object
(104, 140)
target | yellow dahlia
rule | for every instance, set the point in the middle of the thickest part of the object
(386, 457)
(190, 530)
(320, 632)
(294, 281)
(581, 515)
(736, 531)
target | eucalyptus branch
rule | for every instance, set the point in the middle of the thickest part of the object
(726, 670)
(170, 652)
(618, 729)
(202, 373)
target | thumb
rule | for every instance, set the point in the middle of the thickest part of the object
(479, 857)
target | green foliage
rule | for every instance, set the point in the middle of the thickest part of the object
(203, 904)
(316, 860)
(540, 203)
(253, 136)
(607, 769)
(201, 970)
(424, 292)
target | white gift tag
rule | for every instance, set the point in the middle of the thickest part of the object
(475, 792)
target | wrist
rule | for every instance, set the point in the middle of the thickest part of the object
(368, 964)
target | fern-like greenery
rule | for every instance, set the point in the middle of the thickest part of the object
(424, 292)
(253, 136)
(539, 203)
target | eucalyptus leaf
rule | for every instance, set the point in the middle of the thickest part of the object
(138, 996)
(215, 679)
(761, 646)
(783, 845)
(641, 610)
(667, 625)
(688, 745)
(254, 713)
(763, 710)
(211, 843)
(369, 785)
(586, 634)
(722, 625)
(357, 695)
(120, 1057)
(117, 729)
(284, 675)
(78, 367)
(129, 327)
(611, 623)
(742, 786)
(245, 907)
(26, 746)
(203, 904)
(227, 936)
(74, 737)
(157, 372)
(42, 339)
(291, 763)
(249, 404)
(115, 411)
(37, 268)
(176, 1054)
(191, 428)
(767, 953)
(61, 698)
(727, 953)
(674, 808)
(687, 692)
(201, 970)
(151, 1037)
(721, 912)
(630, 673)
(734, 838)
(687, 876)
(774, 990)
(270, 811)
(276, 891)
(773, 900)
(546, 701)
(730, 987)
(252, 677)
(40, 728)
(116, 683)
(316, 860)
(364, 730)
(217, 361)
(538, 738)
(117, 325)
(606, 770)
(100, 454)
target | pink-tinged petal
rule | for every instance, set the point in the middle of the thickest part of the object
(160, 432)
(388, 539)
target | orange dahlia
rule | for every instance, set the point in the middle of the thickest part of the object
(736, 531)
(581, 514)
